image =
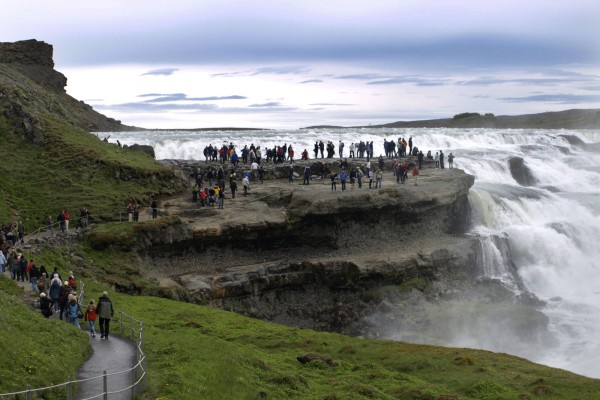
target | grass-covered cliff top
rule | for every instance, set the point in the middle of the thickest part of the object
(50, 163)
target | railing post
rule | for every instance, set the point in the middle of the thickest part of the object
(121, 322)
(28, 396)
(105, 384)
(132, 383)
(132, 330)
(69, 389)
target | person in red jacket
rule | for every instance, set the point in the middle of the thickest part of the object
(67, 217)
(90, 317)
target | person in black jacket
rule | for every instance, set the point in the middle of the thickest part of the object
(105, 311)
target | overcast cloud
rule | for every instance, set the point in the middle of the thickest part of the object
(397, 59)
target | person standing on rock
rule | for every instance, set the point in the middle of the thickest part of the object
(154, 207)
(378, 179)
(233, 187)
(105, 311)
(306, 180)
(359, 176)
(451, 160)
(441, 159)
(415, 174)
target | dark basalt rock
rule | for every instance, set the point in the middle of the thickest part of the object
(520, 172)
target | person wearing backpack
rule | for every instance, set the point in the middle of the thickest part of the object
(90, 317)
(104, 311)
(73, 311)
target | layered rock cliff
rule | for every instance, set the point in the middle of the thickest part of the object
(33, 59)
(308, 256)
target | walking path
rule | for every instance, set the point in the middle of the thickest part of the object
(113, 355)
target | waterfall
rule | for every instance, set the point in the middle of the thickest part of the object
(540, 239)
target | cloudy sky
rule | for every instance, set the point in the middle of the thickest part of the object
(288, 64)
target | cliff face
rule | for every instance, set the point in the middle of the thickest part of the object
(307, 256)
(33, 60)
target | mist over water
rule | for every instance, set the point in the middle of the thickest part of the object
(552, 227)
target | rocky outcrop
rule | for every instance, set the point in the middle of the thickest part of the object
(34, 59)
(520, 172)
(29, 61)
(306, 256)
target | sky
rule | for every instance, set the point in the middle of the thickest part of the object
(290, 64)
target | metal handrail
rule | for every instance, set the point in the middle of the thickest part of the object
(135, 381)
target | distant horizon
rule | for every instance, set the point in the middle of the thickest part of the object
(198, 63)
(316, 126)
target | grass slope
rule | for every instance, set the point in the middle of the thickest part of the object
(200, 352)
(67, 167)
(36, 351)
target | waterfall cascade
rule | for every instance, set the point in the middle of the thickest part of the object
(541, 238)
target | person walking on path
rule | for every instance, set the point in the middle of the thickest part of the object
(21, 232)
(45, 305)
(90, 317)
(104, 311)
(54, 292)
(73, 311)
(49, 227)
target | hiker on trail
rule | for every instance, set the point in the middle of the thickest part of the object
(90, 317)
(34, 275)
(21, 232)
(49, 227)
(105, 311)
(72, 281)
(63, 298)
(54, 292)
(73, 311)
(61, 221)
(13, 265)
(67, 216)
(22, 271)
(42, 284)
(154, 207)
(45, 305)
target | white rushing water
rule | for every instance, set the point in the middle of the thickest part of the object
(553, 226)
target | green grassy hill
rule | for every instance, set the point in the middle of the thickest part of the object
(49, 163)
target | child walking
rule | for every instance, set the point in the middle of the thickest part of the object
(90, 317)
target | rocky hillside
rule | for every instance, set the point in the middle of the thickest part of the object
(52, 161)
